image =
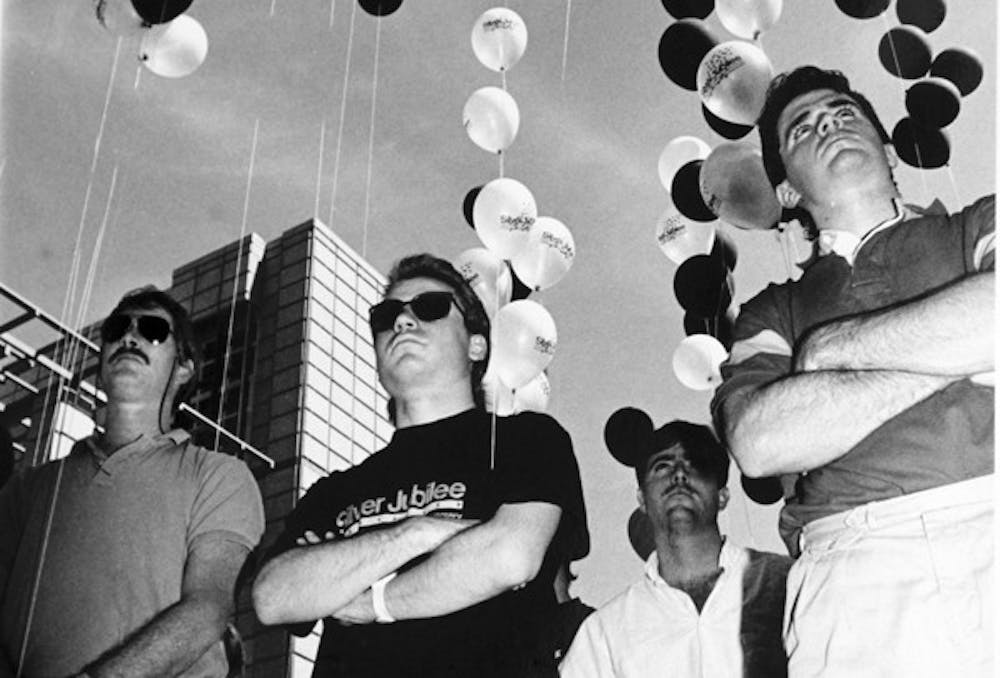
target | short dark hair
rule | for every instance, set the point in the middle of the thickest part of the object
(473, 312)
(783, 89)
(149, 297)
(703, 449)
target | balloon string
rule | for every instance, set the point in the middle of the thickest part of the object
(236, 285)
(343, 111)
(273, 3)
(562, 75)
(333, 5)
(746, 513)
(954, 185)
(500, 156)
(371, 141)
(319, 166)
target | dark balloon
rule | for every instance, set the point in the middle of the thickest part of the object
(380, 7)
(628, 433)
(919, 146)
(927, 14)
(933, 102)
(862, 9)
(762, 490)
(682, 47)
(961, 66)
(905, 52)
(724, 128)
(686, 193)
(640, 534)
(724, 247)
(689, 9)
(468, 202)
(160, 11)
(703, 285)
(518, 290)
(721, 327)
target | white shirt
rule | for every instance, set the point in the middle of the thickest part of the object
(653, 629)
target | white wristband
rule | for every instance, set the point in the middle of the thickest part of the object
(382, 615)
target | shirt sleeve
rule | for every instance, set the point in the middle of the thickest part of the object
(312, 512)
(589, 656)
(228, 501)
(979, 230)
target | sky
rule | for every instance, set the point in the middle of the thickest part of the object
(177, 153)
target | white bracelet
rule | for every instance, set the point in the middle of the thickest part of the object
(382, 615)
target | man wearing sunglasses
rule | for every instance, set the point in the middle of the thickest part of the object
(121, 559)
(437, 555)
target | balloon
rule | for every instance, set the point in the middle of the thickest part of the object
(733, 79)
(724, 249)
(175, 49)
(703, 285)
(905, 52)
(380, 7)
(628, 433)
(548, 255)
(499, 38)
(721, 326)
(160, 11)
(468, 202)
(862, 9)
(677, 153)
(519, 289)
(960, 65)
(682, 46)
(503, 214)
(524, 342)
(926, 14)
(696, 362)
(734, 186)
(640, 534)
(933, 102)
(119, 17)
(498, 397)
(487, 275)
(689, 9)
(533, 396)
(763, 490)
(686, 195)
(748, 18)
(491, 118)
(680, 238)
(724, 128)
(919, 146)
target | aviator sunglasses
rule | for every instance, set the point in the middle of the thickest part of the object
(152, 328)
(426, 306)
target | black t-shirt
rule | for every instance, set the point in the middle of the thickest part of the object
(444, 469)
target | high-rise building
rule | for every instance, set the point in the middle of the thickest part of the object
(288, 371)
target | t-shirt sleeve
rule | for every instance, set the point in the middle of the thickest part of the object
(535, 462)
(228, 502)
(312, 512)
(979, 232)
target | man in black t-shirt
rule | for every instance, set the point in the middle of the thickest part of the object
(435, 556)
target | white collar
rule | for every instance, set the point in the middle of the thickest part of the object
(730, 558)
(847, 244)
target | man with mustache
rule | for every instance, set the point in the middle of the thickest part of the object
(435, 556)
(121, 559)
(869, 383)
(704, 607)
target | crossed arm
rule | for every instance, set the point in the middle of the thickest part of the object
(468, 563)
(174, 639)
(850, 376)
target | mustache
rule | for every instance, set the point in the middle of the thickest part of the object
(129, 350)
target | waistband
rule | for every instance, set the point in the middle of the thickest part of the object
(888, 512)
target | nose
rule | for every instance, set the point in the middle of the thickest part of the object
(131, 336)
(680, 474)
(827, 123)
(404, 321)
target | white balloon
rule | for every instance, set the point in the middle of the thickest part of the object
(488, 275)
(734, 185)
(533, 396)
(499, 38)
(696, 361)
(491, 118)
(498, 396)
(524, 342)
(548, 255)
(676, 154)
(681, 238)
(174, 49)
(503, 214)
(732, 81)
(748, 18)
(119, 17)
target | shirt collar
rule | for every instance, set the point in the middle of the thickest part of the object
(730, 558)
(177, 436)
(847, 244)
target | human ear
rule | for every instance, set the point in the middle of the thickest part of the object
(185, 370)
(641, 499)
(891, 156)
(723, 497)
(787, 196)
(477, 347)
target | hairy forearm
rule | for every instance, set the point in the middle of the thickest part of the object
(949, 332)
(167, 645)
(807, 420)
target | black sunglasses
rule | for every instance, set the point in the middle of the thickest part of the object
(152, 328)
(427, 306)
